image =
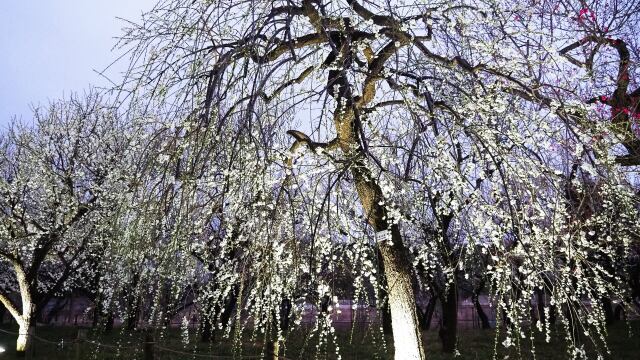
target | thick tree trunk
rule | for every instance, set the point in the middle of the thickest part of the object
(407, 338)
(206, 330)
(607, 307)
(25, 331)
(619, 313)
(133, 312)
(634, 284)
(108, 327)
(102, 319)
(272, 350)
(282, 324)
(24, 320)
(384, 308)
(540, 302)
(60, 303)
(133, 302)
(395, 256)
(97, 314)
(132, 320)
(207, 321)
(505, 318)
(484, 319)
(385, 314)
(449, 328)
(427, 315)
(229, 306)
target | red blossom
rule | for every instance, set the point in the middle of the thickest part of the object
(584, 12)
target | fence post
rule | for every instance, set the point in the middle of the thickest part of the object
(148, 345)
(82, 335)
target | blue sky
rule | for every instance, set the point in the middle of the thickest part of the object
(50, 48)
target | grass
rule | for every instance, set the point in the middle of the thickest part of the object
(472, 344)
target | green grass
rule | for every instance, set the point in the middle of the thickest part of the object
(472, 344)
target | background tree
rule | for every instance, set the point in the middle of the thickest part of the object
(61, 181)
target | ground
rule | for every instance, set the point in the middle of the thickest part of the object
(473, 344)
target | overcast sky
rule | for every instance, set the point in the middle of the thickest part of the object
(50, 48)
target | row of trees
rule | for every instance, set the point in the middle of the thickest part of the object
(266, 155)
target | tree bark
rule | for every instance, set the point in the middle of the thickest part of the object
(385, 310)
(108, 326)
(385, 314)
(395, 256)
(206, 330)
(280, 326)
(272, 350)
(407, 339)
(229, 306)
(484, 319)
(619, 313)
(60, 303)
(607, 307)
(540, 301)
(133, 304)
(427, 315)
(132, 317)
(23, 343)
(449, 327)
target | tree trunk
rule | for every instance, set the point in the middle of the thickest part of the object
(281, 326)
(383, 307)
(133, 303)
(607, 307)
(634, 283)
(385, 314)
(24, 320)
(229, 306)
(540, 302)
(108, 326)
(273, 349)
(404, 321)
(132, 321)
(395, 256)
(60, 303)
(206, 330)
(133, 313)
(619, 313)
(484, 319)
(449, 327)
(25, 331)
(207, 319)
(427, 315)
